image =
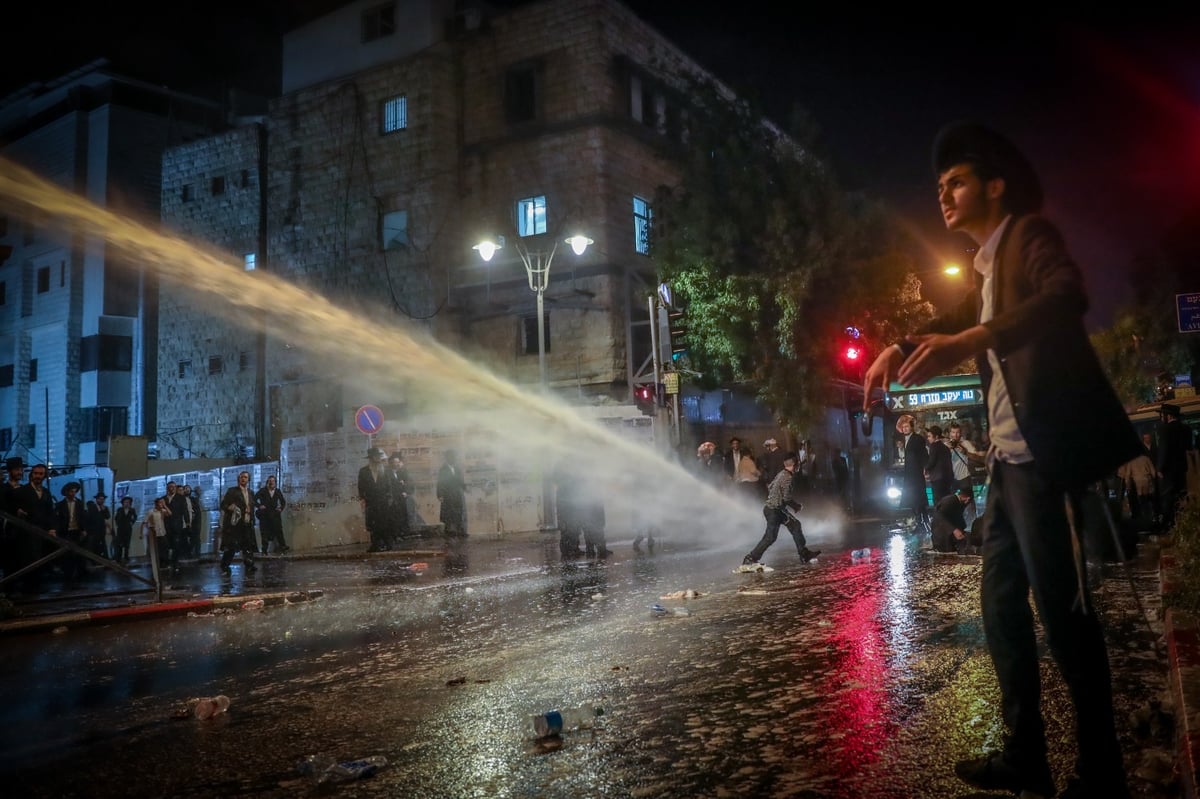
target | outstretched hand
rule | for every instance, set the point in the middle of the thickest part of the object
(881, 372)
(936, 353)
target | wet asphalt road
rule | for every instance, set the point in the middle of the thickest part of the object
(843, 678)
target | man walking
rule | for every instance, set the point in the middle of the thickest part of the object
(237, 521)
(1023, 323)
(779, 494)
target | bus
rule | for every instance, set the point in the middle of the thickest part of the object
(942, 400)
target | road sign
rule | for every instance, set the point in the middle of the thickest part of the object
(368, 419)
(1187, 307)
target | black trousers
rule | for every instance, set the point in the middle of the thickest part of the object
(1027, 548)
(775, 517)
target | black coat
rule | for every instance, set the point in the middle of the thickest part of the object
(1066, 409)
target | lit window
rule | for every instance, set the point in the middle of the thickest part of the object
(395, 114)
(394, 230)
(531, 215)
(251, 262)
(642, 215)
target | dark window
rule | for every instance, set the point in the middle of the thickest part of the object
(4, 232)
(43, 279)
(33, 374)
(31, 435)
(6, 375)
(186, 193)
(106, 353)
(62, 273)
(100, 423)
(185, 368)
(522, 86)
(245, 179)
(218, 185)
(378, 22)
(6, 438)
(245, 361)
(3, 292)
(216, 364)
(530, 329)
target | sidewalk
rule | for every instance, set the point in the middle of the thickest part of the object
(1182, 632)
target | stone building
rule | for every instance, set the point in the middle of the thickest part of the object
(78, 325)
(406, 132)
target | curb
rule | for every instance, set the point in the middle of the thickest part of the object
(1182, 632)
(85, 618)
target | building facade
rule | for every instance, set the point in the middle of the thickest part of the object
(407, 132)
(78, 325)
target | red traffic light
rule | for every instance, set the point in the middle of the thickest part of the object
(644, 393)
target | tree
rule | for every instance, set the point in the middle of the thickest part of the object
(772, 260)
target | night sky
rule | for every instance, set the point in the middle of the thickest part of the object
(1108, 109)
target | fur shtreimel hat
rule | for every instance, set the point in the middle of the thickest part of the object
(970, 142)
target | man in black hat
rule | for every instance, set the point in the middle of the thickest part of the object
(1172, 462)
(9, 535)
(71, 520)
(1023, 323)
(373, 485)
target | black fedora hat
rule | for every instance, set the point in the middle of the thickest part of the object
(995, 156)
(14, 463)
(376, 452)
(69, 486)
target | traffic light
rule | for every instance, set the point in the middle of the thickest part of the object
(646, 398)
(677, 332)
(852, 353)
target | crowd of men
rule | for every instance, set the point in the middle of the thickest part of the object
(173, 529)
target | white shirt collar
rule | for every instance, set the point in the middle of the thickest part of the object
(985, 259)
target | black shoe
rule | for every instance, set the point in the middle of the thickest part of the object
(808, 555)
(995, 773)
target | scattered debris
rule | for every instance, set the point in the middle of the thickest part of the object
(690, 593)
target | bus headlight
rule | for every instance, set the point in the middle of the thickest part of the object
(893, 492)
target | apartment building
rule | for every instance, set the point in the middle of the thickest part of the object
(78, 324)
(406, 133)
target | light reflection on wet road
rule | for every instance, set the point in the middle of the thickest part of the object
(836, 679)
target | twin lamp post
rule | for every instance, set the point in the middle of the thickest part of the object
(537, 269)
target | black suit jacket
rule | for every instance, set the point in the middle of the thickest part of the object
(1065, 407)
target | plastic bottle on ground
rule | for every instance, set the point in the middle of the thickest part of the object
(859, 554)
(325, 768)
(557, 721)
(209, 706)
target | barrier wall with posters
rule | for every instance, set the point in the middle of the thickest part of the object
(211, 483)
(504, 487)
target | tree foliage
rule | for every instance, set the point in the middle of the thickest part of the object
(771, 260)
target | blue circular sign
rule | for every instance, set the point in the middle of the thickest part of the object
(368, 419)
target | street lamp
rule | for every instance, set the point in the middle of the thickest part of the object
(537, 269)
